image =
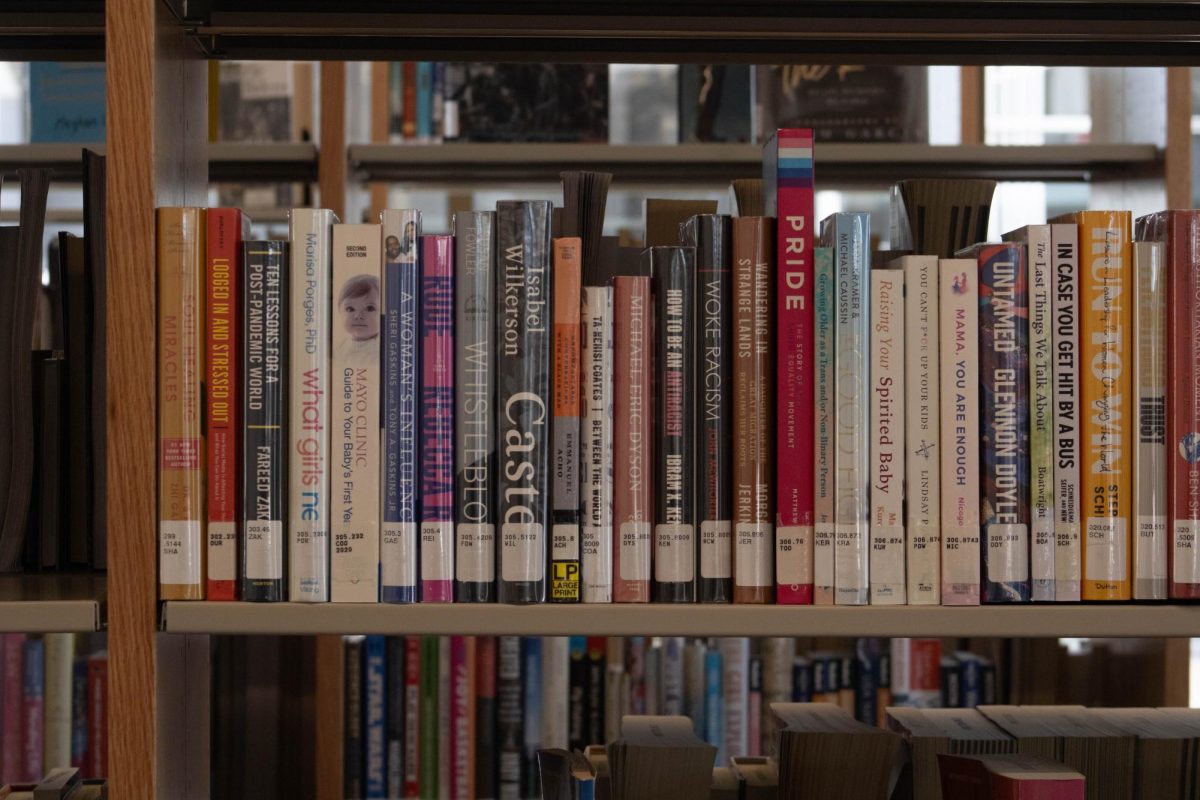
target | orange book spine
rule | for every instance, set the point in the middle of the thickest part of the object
(180, 389)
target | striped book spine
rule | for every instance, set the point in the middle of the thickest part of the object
(437, 419)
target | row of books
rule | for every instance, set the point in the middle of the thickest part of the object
(465, 716)
(53, 705)
(63, 783)
(1000, 752)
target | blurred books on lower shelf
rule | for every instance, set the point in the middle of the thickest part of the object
(63, 783)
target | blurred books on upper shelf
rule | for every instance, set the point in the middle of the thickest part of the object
(66, 102)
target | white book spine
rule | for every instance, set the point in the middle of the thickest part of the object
(58, 675)
(309, 499)
(959, 295)
(1150, 455)
(1041, 414)
(922, 432)
(357, 262)
(735, 661)
(851, 241)
(556, 667)
(597, 443)
(1065, 341)
(887, 437)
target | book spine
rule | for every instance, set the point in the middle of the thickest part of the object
(97, 716)
(60, 658)
(921, 434)
(510, 736)
(1041, 415)
(577, 670)
(308, 406)
(693, 685)
(802, 680)
(523, 381)
(1105, 334)
(887, 576)
(735, 657)
(445, 764)
(180, 388)
(714, 712)
(531, 713)
(357, 264)
(633, 391)
(1004, 406)
(374, 738)
(614, 679)
(222, 403)
(652, 678)
(437, 419)
(671, 675)
(394, 723)
(34, 708)
(412, 716)
(429, 754)
(959, 296)
(1064, 241)
(352, 733)
(595, 664)
(486, 766)
(555, 676)
(851, 242)
(409, 95)
(264, 365)
(794, 341)
(753, 415)
(79, 712)
(462, 720)
(673, 269)
(1150, 455)
(475, 425)
(597, 443)
(824, 425)
(778, 658)
(565, 541)
(401, 378)
(711, 234)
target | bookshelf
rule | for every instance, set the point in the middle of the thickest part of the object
(63, 603)
(227, 161)
(159, 681)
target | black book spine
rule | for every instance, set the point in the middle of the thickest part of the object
(510, 733)
(394, 719)
(353, 764)
(673, 272)
(475, 431)
(594, 722)
(49, 482)
(711, 235)
(264, 370)
(523, 412)
(485, 718)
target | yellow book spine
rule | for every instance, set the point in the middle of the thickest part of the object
(1106, 384)
(180, 378)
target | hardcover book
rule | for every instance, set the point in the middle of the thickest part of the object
(1068, 570)
(353, 728)
(523, 396)
(437, 419)
(887, 576)
(357, 263)
(824, 425)
(510, 735)
(181, 550)
(374, 738)
(309, 497)
(401, 378)
(565, 541)
(412, 716)
(226, 229)
(788, 196)
(264, 368)
(959, 296)
(1150, 455)
(474, 419)
(596, 475)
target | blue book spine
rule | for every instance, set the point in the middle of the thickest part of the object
(531, 660)
(375, 734)
(714, 713)
(401, 365)
(802, 690)
(970, 682)
(1004, 420)
(34, 717)
(79, 709)
(866, 689)
(424, 100)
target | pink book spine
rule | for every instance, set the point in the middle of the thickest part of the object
(462, 717)
(437, 419)
(794, 352)
(12, 728)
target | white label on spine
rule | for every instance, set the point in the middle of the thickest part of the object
(475, 546)
(264, 549)
(1043, 549)
(924, 563)
(437, 555)
(1187, 555)
(715, 548)
(597, 564)
(1105, 550)
(1151, 557)
(753, 561)
(522, 557)
(222, 551)
(674, 558)
(399, 554)
(792, 567)
(635, 551)
(851, 562)
(1007, 558)
(564, 542)
(823, 537)
(960, 560)
(179, 551)
(887, 565)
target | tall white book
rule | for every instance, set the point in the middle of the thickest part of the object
(887, 437)
(357, 263)
(309, 501)
(735, 686)
(922, 430)
(1064, 242)
(556, 690)
(596, 477)
(58, 672)
(959, 295)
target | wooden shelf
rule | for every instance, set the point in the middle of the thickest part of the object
(59, 603)
(880, 164)
(667, 620)
(1157, 32)
(227, 161)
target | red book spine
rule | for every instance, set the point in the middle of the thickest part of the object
(633, 465)
(97, 696)
(222, 408)
(795, 360)
(12, 691)
(1182, 235)
(412, 706)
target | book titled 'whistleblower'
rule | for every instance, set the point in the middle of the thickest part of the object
(355, 435)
